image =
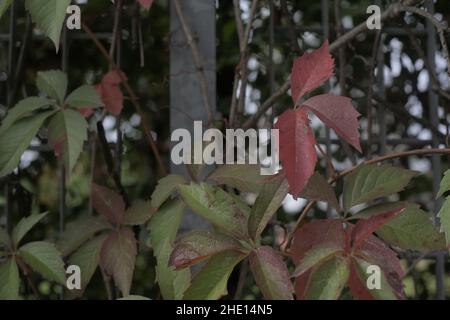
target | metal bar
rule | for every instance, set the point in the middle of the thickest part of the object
(433, 101)
(62, 170)
(390, 31)
(381, 93)
(9, 102)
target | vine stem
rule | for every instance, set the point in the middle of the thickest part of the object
(133, 97)
(344, 173)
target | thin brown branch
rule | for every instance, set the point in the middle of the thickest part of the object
(198, 61)
(133, 97)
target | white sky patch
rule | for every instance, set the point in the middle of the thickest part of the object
(292, 206)
(422, 81)
(418, 164)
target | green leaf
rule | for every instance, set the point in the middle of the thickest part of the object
(328, 280)
(445, 184)
(211, 282)
(87, 257)
(267, 203)
(78, 231)
(316, 256)
(16, 140)
(44, 258)
(376, 209)
(25, 225)
(163, 229)
(49, 16)
(22, 109)
(53, 83)
(244, 177)
(271, 274)
(369, 182)
(411, 230)
(444, 215)
(195, 246)
(318, 189)
(139, 213)
(84, 97)
(67, 132)
(4, 5)
(118, 257)
(165, 187)
(9, 280)
(134, 297)
(218, 207)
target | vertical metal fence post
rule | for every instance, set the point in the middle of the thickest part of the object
(433, 101)
(9, 102)
(381, 92)
(62, 172)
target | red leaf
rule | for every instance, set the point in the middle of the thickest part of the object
(108, 203)
(337, 113)
(364, 228)
(271, 274)
(110, 92)
(297, 151)
(301, 284)
(114, 78)
(356, 285)
(146, 4)
(86, 112)
(310, 71)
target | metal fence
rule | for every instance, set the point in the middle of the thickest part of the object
(380, 139)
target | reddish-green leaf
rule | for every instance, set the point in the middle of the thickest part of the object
(198, 245)
(364, 228)
(146, 4)
(108, 203)
(297, 151)
(316, 233)
(315, 256)
(337, 113)
(318, 189)
(139, 213)
(118, 256)
(358, 283)
(310, 71)
(271, 274)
